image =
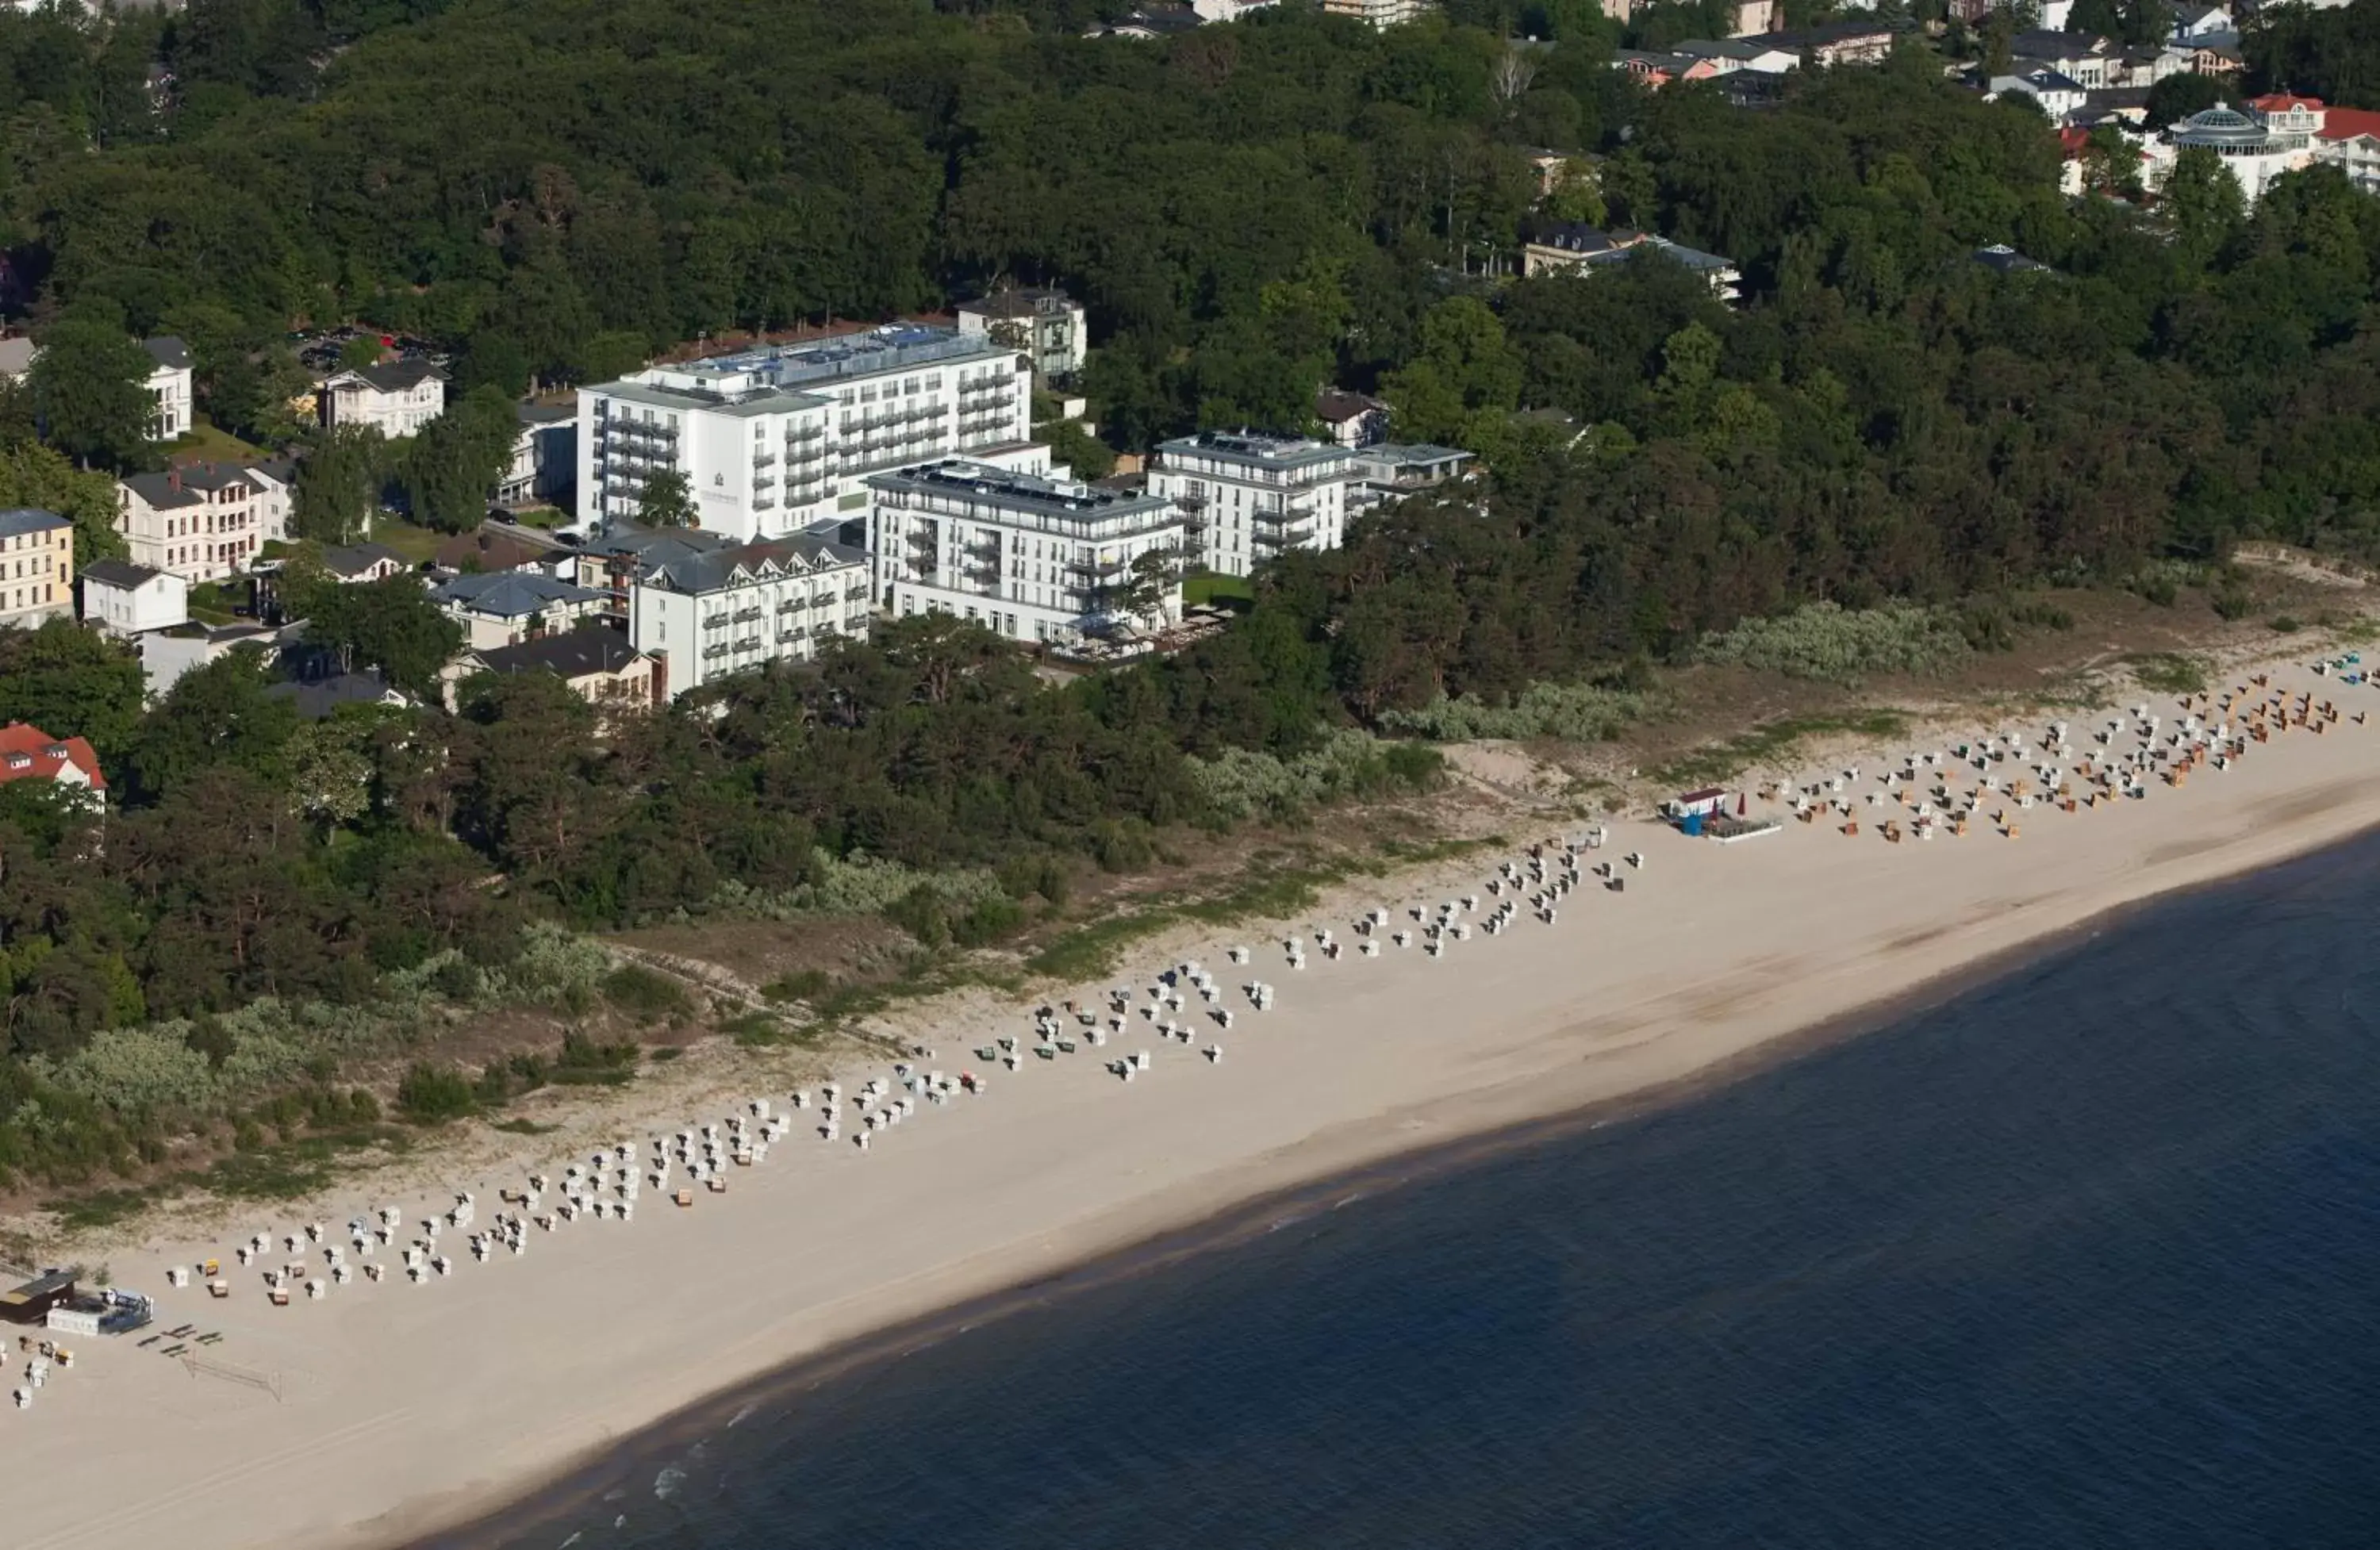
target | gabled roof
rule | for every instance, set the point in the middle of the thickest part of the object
(348, 560)
(571, 653)
(122, 574)
(2005, 259)
(27, 752)
(511, 593)
(168, 351)
(752, 562)
(18, 521)
(1025, 303)
(1337, 405)
(394, 376)
(2344, 123)
(187, 485)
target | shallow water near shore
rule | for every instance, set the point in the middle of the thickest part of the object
(2086, 1255)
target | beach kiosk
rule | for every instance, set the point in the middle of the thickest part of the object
(1692, 811)
(32, 1302)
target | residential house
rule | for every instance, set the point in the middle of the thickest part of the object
(1031, 557)
(1228, 10)
(507, 607)
(319, 694)
(167, 655)
(496, 546)
(711, 615)
(2349, 141)
(1378, 13)
(614, 558)
(2197, 26)
(356, 565)
(1047, 325)
(202, 521)
(1245, 498)
(396, 398)
(1350, 420)
(128, 599)
(1657, 70)
(26, 753)
(37, 568)
(1837, 43)
(2058, 96)
(545, 457)
(1154, 19)
(169, 386)
(771, 440)
(2082, 58)
(1388, 471)
(1582, 250)
(1741, 54)
(597, 664)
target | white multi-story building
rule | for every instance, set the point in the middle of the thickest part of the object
(773, 441)
(1030, 557)
(1048, 325)
(1245, 498)
(169, 384)
(708, 615)
(128, 599)
(200, 521)
(396, 398)
(544, 456)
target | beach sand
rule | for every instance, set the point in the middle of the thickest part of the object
(405, 1408)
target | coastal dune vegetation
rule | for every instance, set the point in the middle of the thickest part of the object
(1864, 469)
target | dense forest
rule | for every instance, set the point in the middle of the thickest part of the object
(551, 190)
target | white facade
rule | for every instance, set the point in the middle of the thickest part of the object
(169, 384)
(1379, 13)
(128, 599)
(1047, 325)
(201, 522)
(544, 458)
(396, 398)
(711, 615)
(773, 441)
(1028, 557)
(1245, 498)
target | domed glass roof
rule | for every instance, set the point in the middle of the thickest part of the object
(2222, 129)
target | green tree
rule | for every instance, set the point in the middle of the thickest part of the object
(450, 471)
(91, 389)
(338, 485)
(71, 682)
(392, 625)
(215, 716)
(2204, 204)
(666, 501)
(38, 476)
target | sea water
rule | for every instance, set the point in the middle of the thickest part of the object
(2087, 1255)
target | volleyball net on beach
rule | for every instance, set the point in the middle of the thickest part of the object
(258, 1378)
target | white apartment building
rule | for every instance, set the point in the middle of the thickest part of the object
(1244, 498)
(203, 522)
(706, 616)
(169, 384)
(1029, 557)
(544, 456)
(1048, 325)
(129, 600)
(37, 568)
(771, 441)
(396, 398)
(1379, 13)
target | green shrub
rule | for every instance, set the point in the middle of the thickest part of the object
(645, 995)
(431, 1095)
(802, 985)
(1570, 712)
(363, 1108)
(1834, 644)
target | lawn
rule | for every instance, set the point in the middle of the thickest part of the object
(1208, 587)
(204, 442)
(416, 544)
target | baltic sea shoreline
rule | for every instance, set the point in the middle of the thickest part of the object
(446, 1414)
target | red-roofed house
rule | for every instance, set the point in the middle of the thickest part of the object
(26, 753)
(2349, 141)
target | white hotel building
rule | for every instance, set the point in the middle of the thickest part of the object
(1031, 557)
(1245, 498)
(709, 615)
(771, 441)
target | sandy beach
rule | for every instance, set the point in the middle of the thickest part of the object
(404, 1409)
